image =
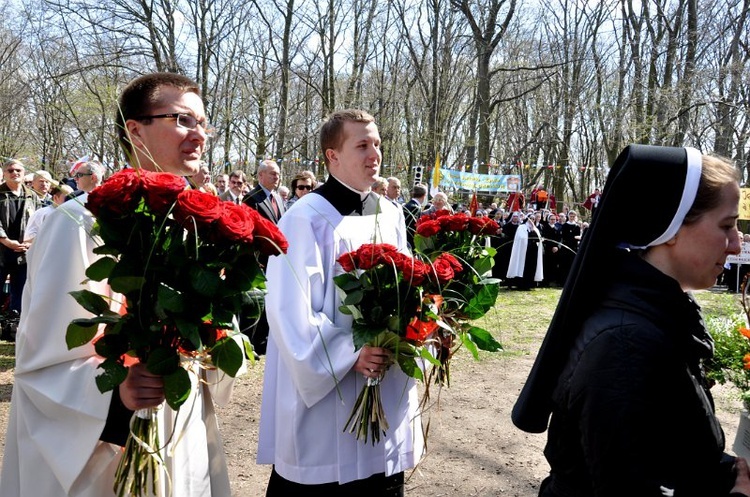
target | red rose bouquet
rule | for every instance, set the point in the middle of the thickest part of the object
(383, 293)
(449, 242)
(183, 260)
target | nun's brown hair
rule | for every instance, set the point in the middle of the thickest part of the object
(716, 173)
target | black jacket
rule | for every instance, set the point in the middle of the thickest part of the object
(632, 410)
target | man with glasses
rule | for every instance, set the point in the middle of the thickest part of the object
(17, 203)
(88, 176)
(64, 436)
(234, 192)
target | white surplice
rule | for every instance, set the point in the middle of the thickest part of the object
(309, 385)
(52, 445)
(517, 262)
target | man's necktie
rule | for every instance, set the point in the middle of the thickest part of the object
(274, 205)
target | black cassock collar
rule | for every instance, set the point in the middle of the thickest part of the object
(346, 201)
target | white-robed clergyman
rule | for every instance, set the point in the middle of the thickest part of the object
(521, 253)
(313, 373)
(54, 446)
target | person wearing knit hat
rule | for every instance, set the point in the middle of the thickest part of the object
(618, 380)
(41, 183)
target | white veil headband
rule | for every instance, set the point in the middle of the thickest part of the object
(692, 180)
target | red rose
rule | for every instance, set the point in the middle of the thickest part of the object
(161, 190)
(196, 209)
(483, 226)
(372, 254)
(442, 270)
(442, 213)
(451, 259)
(266, 235)
(118, 195)
(235, 224)
(417, 331)
(428, 228)
(347, 261)
(459, 222)
(414, 271)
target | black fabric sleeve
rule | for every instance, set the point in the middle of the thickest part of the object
(117, 427)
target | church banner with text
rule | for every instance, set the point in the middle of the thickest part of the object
(744, 203)
(490, 183)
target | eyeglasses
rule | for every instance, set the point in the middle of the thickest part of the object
(304, 187)
(183, 121)
(236, 182)
(81, 175)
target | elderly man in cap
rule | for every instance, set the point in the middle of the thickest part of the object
(41, 183)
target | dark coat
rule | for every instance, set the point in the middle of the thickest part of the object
(412, 213)
(28, 206)
(258, 200)
(632, 411)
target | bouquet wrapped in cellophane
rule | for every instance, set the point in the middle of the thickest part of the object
(183, 262)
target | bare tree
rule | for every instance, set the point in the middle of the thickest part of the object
(487, 30)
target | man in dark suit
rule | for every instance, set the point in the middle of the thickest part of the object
(413, 210)
(270, 205)
(264, 197)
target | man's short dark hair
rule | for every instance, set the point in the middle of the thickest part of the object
(418, 191)
(141, 95)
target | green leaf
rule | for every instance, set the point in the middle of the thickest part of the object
(482, 301)
(77, 334)
(106, 250)
(177, 388)
(92, 302)
(163, 361)
(101, 269)
(189, 329)
(114, 374)
(170, 299)
(354, 298)
(227, 356)
(126, 284)
(483, 264)
(249, 352)
(470, 345)
(410, 367)
(111, 346)
(484, 340)
(205, 281)
(363, 334)
(427, 356)
(347, 282)
(345, 310)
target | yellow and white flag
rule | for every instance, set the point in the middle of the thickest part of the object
(435, 187)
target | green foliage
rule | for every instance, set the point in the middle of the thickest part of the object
(730, 348)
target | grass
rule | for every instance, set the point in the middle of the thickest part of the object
(519, 320)
(7, 356)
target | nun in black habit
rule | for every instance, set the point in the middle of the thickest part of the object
(619, 374)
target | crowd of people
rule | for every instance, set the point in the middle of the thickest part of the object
(615, 373)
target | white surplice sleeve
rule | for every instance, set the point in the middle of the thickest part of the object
(59, 412)
(315, 350)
